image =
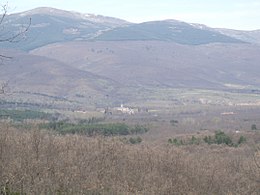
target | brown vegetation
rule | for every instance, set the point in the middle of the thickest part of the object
(38, 162)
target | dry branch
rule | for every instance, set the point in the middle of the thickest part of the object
(13, 37)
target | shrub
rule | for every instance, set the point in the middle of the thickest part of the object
(222, 138)
(194, 140)
(136, 140)
(6, 190)
(253, 127)
(174, 122)
(241, 140)
(176, 142)
(138, 129)
(208, 139)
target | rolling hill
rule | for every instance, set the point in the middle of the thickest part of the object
(41, 80)
(157, 63)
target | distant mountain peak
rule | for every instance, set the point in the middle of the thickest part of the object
(44, 10)
(72, 14)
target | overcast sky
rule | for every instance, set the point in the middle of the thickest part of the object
(235, 14)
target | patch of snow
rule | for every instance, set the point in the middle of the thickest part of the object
(40, 25)
(72, 31)
(199, 26)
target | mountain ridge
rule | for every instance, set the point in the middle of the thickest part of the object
(69, 14)
(50, 25)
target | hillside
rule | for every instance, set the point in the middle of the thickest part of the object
(156, 63)
(49, 25)
(41, 80)
(91, 60)
(168, 30)
(247, 36)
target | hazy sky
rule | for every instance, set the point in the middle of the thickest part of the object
(236, 14)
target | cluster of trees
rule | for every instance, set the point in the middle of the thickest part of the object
(180, 142)
(90, 129)
(20, 115)
(219, 138)
(222, 138)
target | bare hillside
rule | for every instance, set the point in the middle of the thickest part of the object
(156, 63)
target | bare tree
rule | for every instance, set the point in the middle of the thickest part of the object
(10, 37)
(3, 87)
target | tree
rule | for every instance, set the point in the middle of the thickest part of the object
(241, 140)
(222, 138)
(253, 127)
(219, 138)
(10, 37)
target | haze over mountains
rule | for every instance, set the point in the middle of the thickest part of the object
(83, 57)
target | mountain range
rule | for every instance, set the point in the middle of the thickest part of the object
(86, 58)
(49, 25)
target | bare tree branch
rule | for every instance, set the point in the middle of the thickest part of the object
(3, 56)
(4, 12)
(11, 37)
(256, 157)
(3, 87)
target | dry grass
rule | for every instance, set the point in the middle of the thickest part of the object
(37, 162)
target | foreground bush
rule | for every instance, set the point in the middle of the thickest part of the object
(37, 162)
